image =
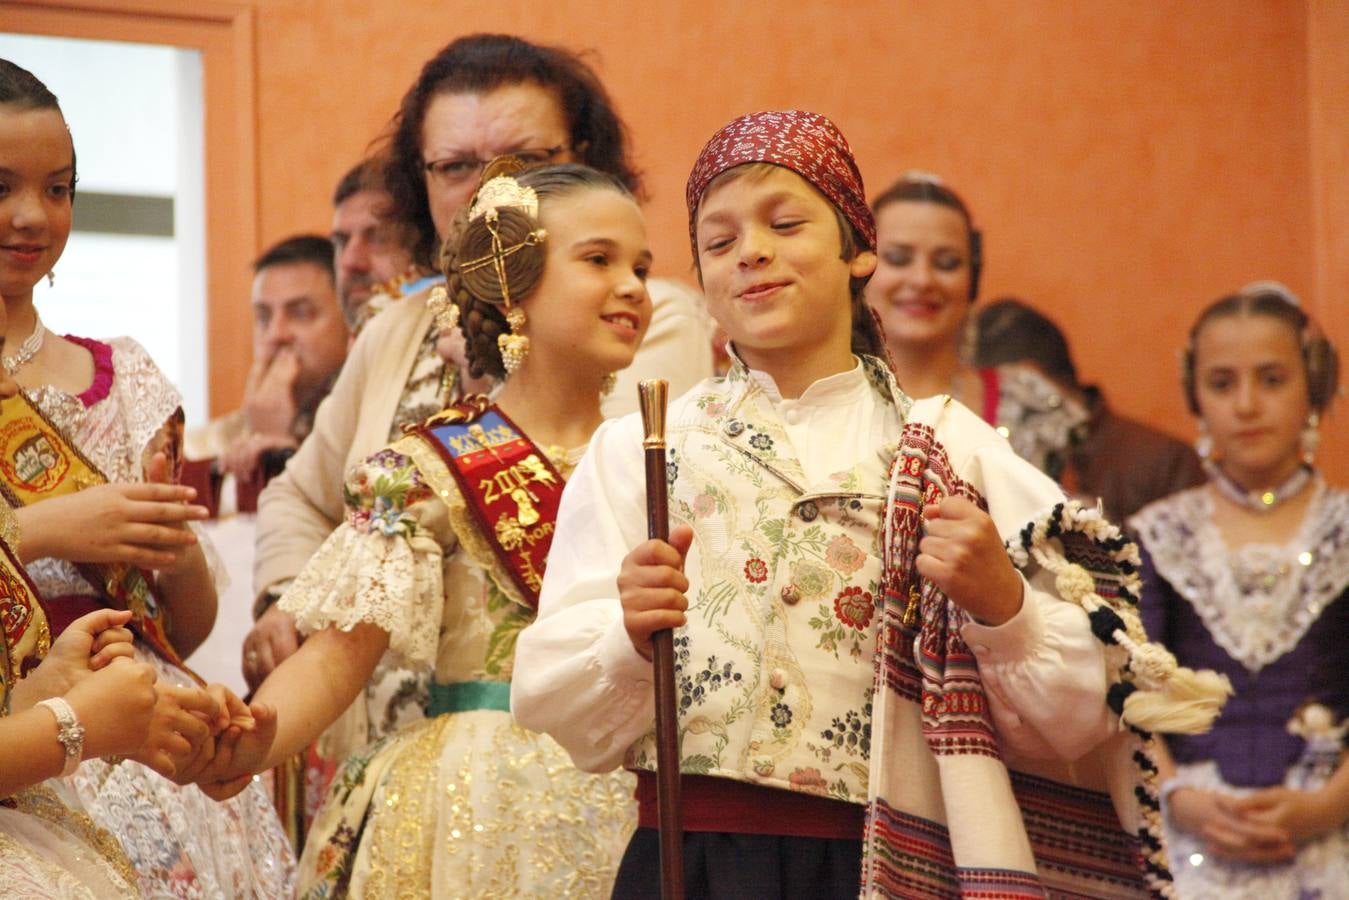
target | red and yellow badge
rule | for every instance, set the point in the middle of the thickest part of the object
(31, 456)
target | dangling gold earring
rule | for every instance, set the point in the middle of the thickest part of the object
(51, 278)
(514, 347)
(1311, 438)
(445, 313)
(608, 384)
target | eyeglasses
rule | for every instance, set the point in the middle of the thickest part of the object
(459, 170)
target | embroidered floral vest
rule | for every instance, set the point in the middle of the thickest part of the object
(775, 666)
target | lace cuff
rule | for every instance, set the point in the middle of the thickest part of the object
(392, 581)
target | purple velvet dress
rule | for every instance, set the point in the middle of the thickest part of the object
(1275, 620)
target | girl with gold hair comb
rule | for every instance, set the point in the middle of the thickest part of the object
(440, 562)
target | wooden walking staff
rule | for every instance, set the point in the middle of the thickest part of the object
(653, 394)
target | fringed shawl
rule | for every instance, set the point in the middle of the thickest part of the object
(951, 818)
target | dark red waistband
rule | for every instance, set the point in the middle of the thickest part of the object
(739, 807)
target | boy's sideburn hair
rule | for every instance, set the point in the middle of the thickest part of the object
(867, 337)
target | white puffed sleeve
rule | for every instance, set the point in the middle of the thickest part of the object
(578, 677)
(383, 565)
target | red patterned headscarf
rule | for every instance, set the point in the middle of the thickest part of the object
(806, 143)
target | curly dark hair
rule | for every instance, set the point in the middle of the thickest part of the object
(20, 87)
(480, 63)
(478, 292)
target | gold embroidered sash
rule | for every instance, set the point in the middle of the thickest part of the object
(27, 636)
(508, 484)
(37, 463)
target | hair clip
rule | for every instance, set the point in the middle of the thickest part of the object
(1277, 288)
(503, 190)
(923, 177)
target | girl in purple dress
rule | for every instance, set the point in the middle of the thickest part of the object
(1249, 575)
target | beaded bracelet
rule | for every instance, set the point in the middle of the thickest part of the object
(69, 732)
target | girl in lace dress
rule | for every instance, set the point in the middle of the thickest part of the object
(107, 407)
(439, 562)
(1249, 574)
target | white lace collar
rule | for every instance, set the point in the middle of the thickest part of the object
(1259, 600)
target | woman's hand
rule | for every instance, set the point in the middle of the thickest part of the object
(140, 524)
(1226, 831)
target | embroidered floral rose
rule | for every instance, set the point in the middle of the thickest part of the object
(703, 506)
(761, 442)
(808, 779)
(781, 715)
(812, 579)
(854, 608)
(756, 570)
(844, 556)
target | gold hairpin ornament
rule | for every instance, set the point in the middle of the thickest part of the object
(498, 193)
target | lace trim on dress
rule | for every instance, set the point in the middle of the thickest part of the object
(1040, 421)
(1259, 600)
(378, 566)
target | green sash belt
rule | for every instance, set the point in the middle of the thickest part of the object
(465, 696)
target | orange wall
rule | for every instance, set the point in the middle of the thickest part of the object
(1128, 162)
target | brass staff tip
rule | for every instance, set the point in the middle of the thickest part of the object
(653, 394)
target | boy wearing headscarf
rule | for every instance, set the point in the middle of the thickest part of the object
(872, 696)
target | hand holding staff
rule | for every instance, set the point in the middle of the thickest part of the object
(653, 394)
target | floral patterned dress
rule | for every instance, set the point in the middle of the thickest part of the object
(182, 843)
(464, 803)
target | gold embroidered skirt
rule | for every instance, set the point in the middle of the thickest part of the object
(468, 804)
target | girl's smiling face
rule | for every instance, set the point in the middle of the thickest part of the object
(591, 307)
(37, 175)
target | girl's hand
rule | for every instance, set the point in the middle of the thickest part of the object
(238, 754)
(1303, 815)
(140, 524)
(116, 706)
(1226, 831)
(90, 643)
(962, 553)
(651, 586)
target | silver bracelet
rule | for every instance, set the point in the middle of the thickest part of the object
(69, 732)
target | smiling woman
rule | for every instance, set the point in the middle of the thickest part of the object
(927, 280)
(139, 207)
